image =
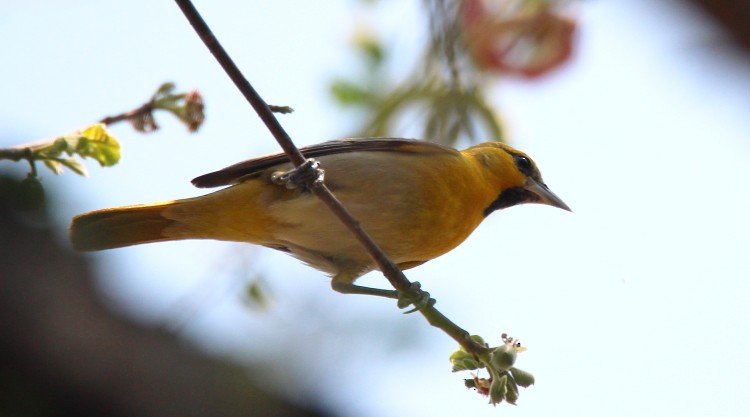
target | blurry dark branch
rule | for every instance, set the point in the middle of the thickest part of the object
(394, 275)
(732, 15)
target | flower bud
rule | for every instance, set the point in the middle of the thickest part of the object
(503, 357)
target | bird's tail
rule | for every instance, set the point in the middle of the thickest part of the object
(121, 226)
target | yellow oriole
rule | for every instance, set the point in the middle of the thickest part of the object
(416, 199)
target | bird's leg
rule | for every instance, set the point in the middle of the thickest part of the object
(413, 296)
(308, 172)
(349, 288)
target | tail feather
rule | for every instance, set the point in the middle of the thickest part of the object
(119, 227)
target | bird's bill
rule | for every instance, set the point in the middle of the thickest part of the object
(544, 195)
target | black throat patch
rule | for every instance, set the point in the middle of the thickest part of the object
(510, 198)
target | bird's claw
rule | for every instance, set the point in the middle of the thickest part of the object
(415, 296)
(306, 175)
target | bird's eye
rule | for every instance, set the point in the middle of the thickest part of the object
(524, 164)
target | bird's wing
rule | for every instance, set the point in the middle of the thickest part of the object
(236, 172)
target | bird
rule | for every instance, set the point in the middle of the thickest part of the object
(417, 200)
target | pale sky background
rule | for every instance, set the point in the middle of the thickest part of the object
(634, 305)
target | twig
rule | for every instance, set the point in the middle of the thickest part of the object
(138, 113)
(19, 153)
(281, 109)
(187, 107)
(394, 275)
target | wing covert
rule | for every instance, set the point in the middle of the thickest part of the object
(236, 172)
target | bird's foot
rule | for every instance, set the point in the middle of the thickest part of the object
(415, 296)
(308, 174)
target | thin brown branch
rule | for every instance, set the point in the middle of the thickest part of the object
(186, 107)
(129, 115)
(15, 154)
(394, 275)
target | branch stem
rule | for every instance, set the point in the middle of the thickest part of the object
(132, 114)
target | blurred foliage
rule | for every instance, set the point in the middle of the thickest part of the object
(256, 294)
(96, 142)
(470, 43)
(186, 107)
(91, 142)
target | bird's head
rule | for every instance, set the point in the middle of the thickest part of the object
(519, 178)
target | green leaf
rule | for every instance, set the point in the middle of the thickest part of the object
(478, 340)
(163, 90)
(522, 378)
(348, 93)
(511, 396)
(74, 166)
(372, 50)
(498, 389)
(92, 142)
(54, 166)
(464, 361)
(465, 365)
(96, 142)
(51, 149)
(459, 355)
